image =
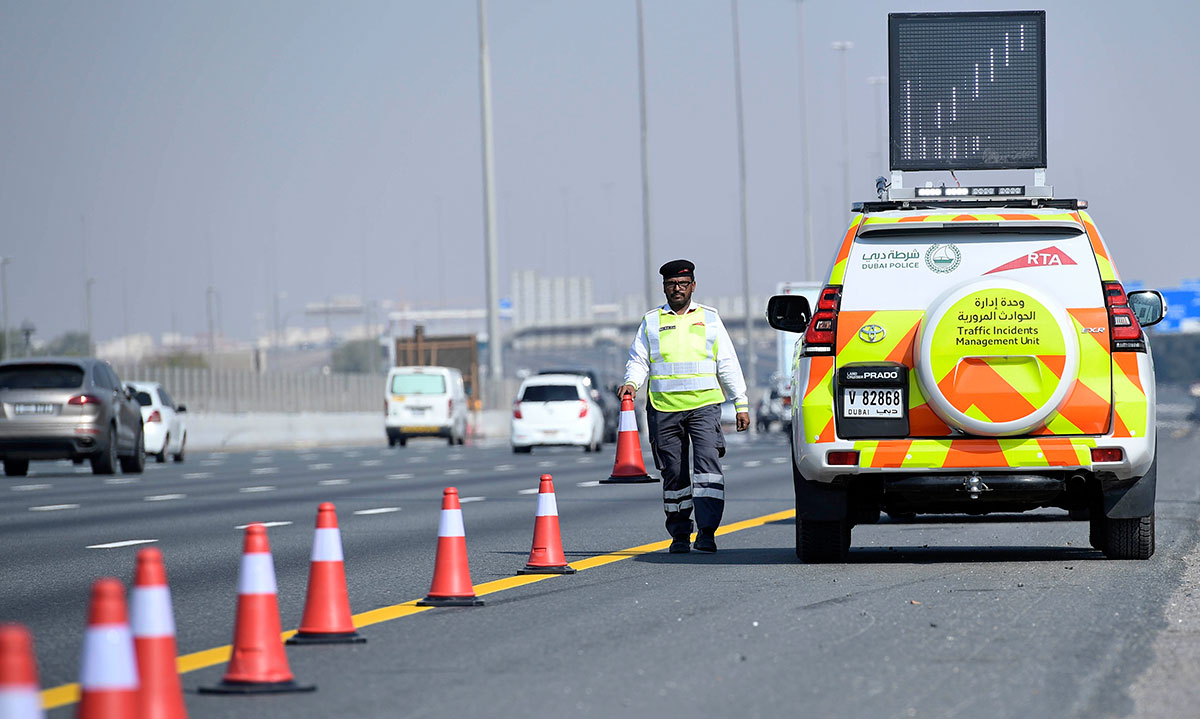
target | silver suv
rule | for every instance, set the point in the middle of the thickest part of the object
(68, 408)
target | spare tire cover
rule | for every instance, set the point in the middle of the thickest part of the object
(996, 357)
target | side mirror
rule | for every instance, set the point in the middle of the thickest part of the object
(789, 313)
(181, 408)
(1148, 306)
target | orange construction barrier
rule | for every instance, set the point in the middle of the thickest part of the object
(108, 677)
(546, 556)
(629, 468)
(452, 585)
(258, 664)
(153, 625)
(19, 697)
(327, 617)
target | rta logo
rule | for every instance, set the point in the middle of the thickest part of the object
(1048, 257)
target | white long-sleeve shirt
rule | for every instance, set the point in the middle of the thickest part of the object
(729, 371)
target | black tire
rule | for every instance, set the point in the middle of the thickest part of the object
(450, 439)
(135, 463)
(106, 461)
(161, 457)
(1096, 532)
(822, 542)
(16, 467)
(522, 450)
(1129, 538)
(402, 441)
(178, 457)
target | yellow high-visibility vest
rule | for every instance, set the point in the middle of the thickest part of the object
(683, 359)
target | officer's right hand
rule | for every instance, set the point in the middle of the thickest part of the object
(627, 390)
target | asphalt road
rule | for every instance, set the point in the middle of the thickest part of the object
(954, 617)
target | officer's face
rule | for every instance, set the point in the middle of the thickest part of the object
(679, 291)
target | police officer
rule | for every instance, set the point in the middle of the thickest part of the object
(684, 350)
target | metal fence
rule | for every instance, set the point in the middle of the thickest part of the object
(208, 390)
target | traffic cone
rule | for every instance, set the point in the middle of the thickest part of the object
(108, 675)
(451, 573)
(629, 468)
(154, 638)
(258, 664)
(546, 556)
(326, 617)
(19, 697)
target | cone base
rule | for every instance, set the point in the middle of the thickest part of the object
(326, 638)
(233, 687)
(471, 601)
(530, 569)
(633, 479)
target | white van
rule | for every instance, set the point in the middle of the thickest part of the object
(424, 402)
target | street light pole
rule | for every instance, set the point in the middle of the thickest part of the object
(741, 140)
(495, 371)
(208, 306)
(842, 46)
(810, 270)
(4, 263)
(87, 313)
(647, 240)
(878, 81)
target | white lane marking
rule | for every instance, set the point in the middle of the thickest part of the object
(332, 482)
(778, 460)
(125, 543)
(545, 463)
(351, 455)
(265, 470)
(593, 483)
(29, 487)
(503, 468)
(163, 497)
(531, 490)
(265, 524)
(454, 471)
(584, 460)
(455, 456)
(53, 507)
(752, 463)
(251, 490)
(402, 475)
(212, 463)
(121, 480)
(371, 462)
(263, 459)
(418, 459)
(322, 465)
(465, 500)
(379, 510)
(197, 475)
(88, 470)
(308, 457)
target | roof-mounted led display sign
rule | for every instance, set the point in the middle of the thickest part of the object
(967, 91)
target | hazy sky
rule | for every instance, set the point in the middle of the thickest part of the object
(324, 149)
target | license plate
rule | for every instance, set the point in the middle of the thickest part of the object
(34, 408)
(867, 402)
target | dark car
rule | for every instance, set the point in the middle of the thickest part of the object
(602, 395)
(68, 408)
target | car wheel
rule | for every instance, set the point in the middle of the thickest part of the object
(16, 467)
(182, 444)
(1128, 538)
(106, 461)
(402, 441)
(450, 439)
(822, 542)
(162, 456)
(135, 463)
(522, 450)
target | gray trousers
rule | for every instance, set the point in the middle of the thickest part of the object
(671, 435)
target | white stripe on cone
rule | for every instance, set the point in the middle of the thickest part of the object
(257, 575)
(451, 524)
(108, 658)
(327, 545)
(547, 506)
(150, 612)
(628, 422)
(20, 703)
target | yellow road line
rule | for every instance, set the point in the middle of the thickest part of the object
(65, 694)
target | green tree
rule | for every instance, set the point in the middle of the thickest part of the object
(357, 357)
(68, 344)
(180, 358)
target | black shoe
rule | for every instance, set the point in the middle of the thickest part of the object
(706, 541)
(680, 545)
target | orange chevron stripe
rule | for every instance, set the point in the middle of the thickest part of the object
(1058, 453)
(923, 422)
(891, 454)
(1128, 363)
(975, 382)
(903, 352)
(975, 453)
(1055, 363)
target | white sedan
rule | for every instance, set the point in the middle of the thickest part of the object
(556, 409)
(164, 423)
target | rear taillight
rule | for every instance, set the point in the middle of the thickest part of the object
(450, 406)
(1125, 331)
(582, 408)
(819, 338)
(82, 399)
(516, 410)
(385, 407)
(845, 458)
(1107, 454)
(154, 417)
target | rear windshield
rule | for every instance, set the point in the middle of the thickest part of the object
(143, 399)
(418, 384)
(550, 393)
(41, 376)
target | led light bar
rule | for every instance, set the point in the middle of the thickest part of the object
(981, 191)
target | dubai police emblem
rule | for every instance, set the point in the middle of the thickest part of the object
(943, 258)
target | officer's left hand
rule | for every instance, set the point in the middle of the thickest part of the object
(743, 421)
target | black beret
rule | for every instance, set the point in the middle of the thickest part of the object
(677, 268)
